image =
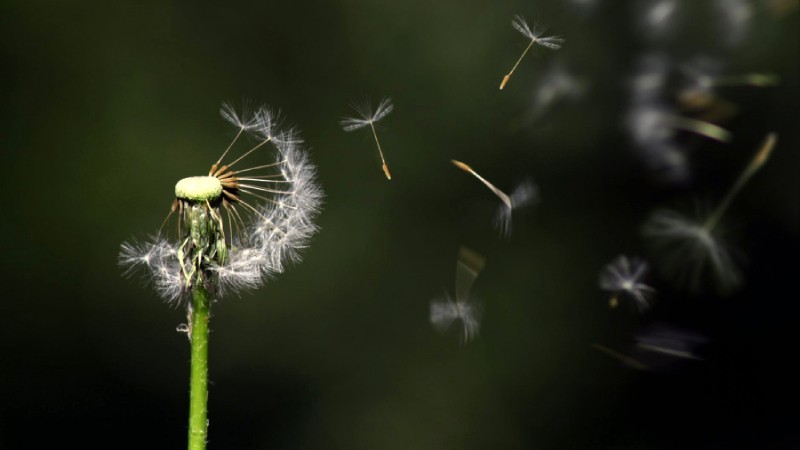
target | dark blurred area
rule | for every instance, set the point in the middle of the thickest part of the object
(105, 105)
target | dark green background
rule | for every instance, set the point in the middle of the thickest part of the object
(105, 105)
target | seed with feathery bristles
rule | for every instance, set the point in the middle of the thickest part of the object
(465, 309)
(551, 42)
(368, 117)
(622, 277)
(690, 250)
(526, 193)
(701, 79)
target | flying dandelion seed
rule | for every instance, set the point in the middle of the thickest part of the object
(734, 19)
(650, 79)
(557, 84)
(658, 18)
(660, 11)
(526, 193)
(659, 347)
(622, 277)
(671, 342)
(781, 8)
(465, 310)
(702, 77)
(653, 122)
(551, 42)
(369, 117)
(691, 250)
(269, 214)
(699, 94)
(653, 127)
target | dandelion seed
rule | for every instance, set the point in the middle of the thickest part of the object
(464, 310)
(653, 122)
(657, 18)
(691, 250)
(670, 341)
(703, 76)
(622, 277)
(660, 347)
(660, 12)
(735, 17)
(369, 117)
(557, 84)
(650, 78)
(236, 226)
(526, 193)
(551, 42)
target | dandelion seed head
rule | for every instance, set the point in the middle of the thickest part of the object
(236, 227)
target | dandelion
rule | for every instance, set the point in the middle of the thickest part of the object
(551, 42)
(369, 117)
(659, 347)
(690, 250)
(464, 310)
(526, 193)
(622, 277)
(235, 227)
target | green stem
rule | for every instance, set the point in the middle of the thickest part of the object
(758, 160)
(198, 384)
